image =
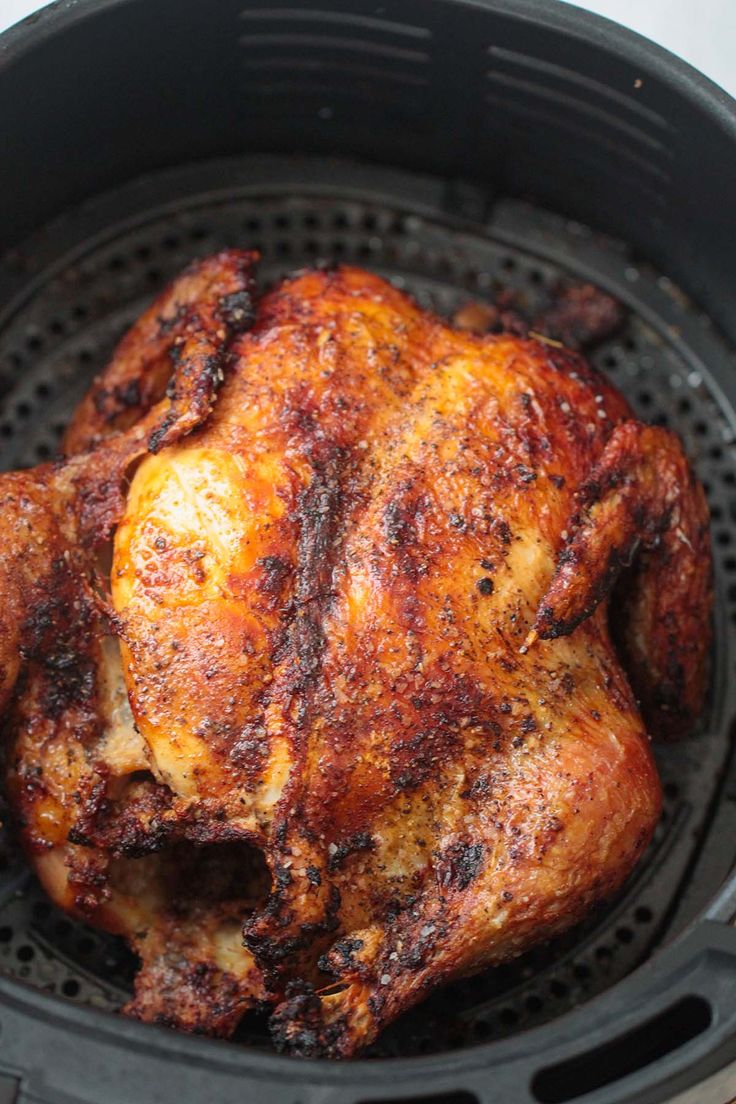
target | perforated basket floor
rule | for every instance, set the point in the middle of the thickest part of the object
(70, 294)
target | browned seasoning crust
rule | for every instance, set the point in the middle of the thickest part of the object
(579, 316)
(642, 494)
(78, 774)
(362, 615)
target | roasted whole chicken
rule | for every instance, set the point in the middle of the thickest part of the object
(309, 685)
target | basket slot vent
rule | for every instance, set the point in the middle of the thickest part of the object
(280, 16)
(575, 83)
(536, 91)
(617, 1059)
(342, 44)
(307, 66)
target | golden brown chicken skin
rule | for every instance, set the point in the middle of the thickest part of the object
(78, 772)
(361, 607)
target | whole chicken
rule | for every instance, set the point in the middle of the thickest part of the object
(309, 684)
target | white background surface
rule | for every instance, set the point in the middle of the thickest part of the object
(701, 31)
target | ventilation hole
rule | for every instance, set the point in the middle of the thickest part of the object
(282, 222)
(117, 263)
(610, 361)
(84, 356)
(340, 221)
(34, 342)
(701, 429)
(716, 452)
(171, 243)
(43, 452)
(671, 791)
(198, 233)
(70, 988)
(603, 954)
(508, 264)
(729, 478)
(25, 953)
(558, 989)
(337, 248)
(252, 224)
(311, 221)
(56, 326)
(645, 398)
(43, 390)
(508, 1017)
(629, 343)
(79, 311)
(684, 405)
(15, 360)
(536, 277)
(624, 935)
(723, 537)
(660, 419)
(643, 915)
(6, 934)
(311, 247)
(283, 247)
(482, 1029)
(534, 1004)
(716, 513)
(23, 410)
(154, 275)
(618, 1058)
(369, 221)
(729, 563)
(6, 430)
(144, 252)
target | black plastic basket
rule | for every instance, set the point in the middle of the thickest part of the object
(457, 148)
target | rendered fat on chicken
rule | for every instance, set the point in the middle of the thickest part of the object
(340, 718)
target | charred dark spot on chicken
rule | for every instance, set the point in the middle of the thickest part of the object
(460, 864)
(579, 316)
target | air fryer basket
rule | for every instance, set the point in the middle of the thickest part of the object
(426, 141)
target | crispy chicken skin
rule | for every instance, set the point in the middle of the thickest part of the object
(355, 624)
(77, 770)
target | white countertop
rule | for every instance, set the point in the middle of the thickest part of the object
(701, 31)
